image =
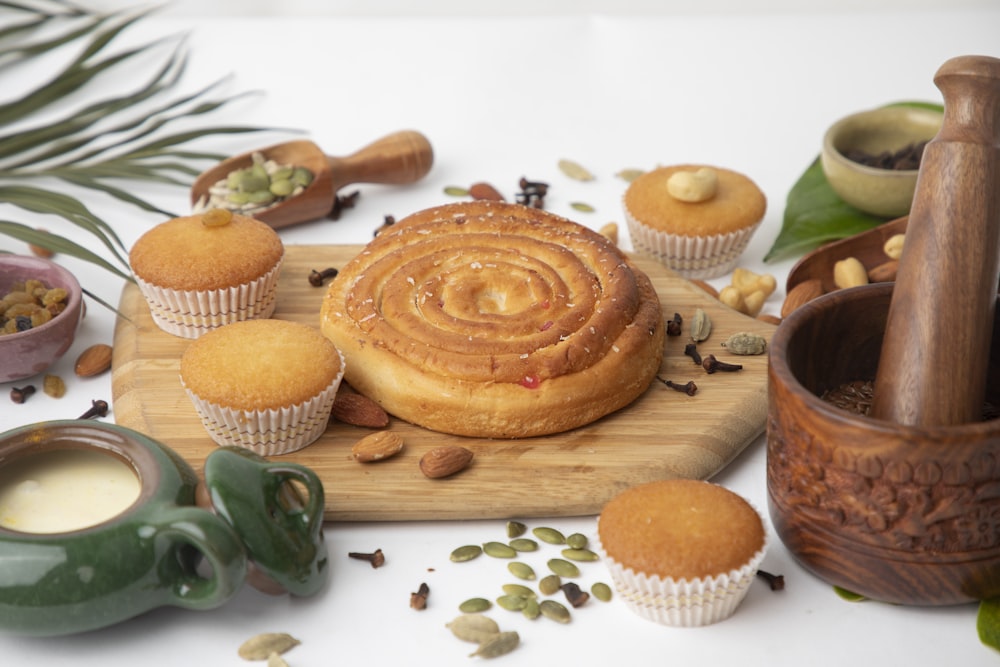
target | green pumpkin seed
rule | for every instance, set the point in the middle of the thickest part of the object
(575, 170)
(516, 529)
(582, 207)
(628, 175)
(518, 589)
(500, 644)
(261, 646)
(580, 555)
(498, 550)
(576, 541)
(281, 188)
(456, 191)
(467, 552)
(523, 544)
(512, 602)
(550, 584)
(601, 591)
(532, 609)
(555, 611)
(521, 570)
(474, 605)
(563, 568)
(474, 628)
(549, 535)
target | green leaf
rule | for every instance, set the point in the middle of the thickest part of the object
(988, 623)
(848, 595)
(57, 244)
(815, 215)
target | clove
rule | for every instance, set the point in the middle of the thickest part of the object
(775, 581)
(21, 394)
(387, 222)
(674, 325)
(691, 350)
(532, 193)
(574, 594)
(690, 388)
(376, 558)
(316, 278)
(418, 600)
(98, 408)
(340, 202)
(712, 365)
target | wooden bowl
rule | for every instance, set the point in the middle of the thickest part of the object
(899, 514)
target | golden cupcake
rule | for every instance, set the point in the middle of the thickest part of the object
(681, 552)
(267, 385)
(695, 219)
(202, 271)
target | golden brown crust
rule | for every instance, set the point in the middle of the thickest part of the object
(260, 364)
(737, 204)
(680, 529)
(184, 254)
(495, 320)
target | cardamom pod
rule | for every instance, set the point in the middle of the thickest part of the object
(474, 628)
(701, 326)
(575, 170)
(500, 644)
(261, 646)
(745, 343)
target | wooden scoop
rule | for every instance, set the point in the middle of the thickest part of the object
(934, 360)
(396, 159)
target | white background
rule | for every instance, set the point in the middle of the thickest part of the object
(505, 91)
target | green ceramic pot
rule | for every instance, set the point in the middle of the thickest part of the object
(277, 509)
(149, 555)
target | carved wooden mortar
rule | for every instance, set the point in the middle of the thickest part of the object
(903, 514)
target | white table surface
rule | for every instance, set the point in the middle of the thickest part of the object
(502, 98)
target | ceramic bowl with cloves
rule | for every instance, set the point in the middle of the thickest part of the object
(855, 144)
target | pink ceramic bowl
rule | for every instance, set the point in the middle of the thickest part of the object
(31, 352)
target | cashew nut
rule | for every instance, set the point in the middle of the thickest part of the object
(893, 247)
(693, 186)
(748, 282)
(849, 272)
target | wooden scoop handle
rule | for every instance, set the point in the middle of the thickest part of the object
(395, 159)
(934, 359)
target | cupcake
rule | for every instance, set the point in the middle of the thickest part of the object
(202, 271)
(266, 385)
(695, 219)
(681, 552)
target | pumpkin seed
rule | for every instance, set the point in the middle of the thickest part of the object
(601, 591)
(516, 529)
(498, 550)
(563, 568)
(500, 644)
(523, 544)
(532, 609)
(512, 602)
(263, 645)
(467, 552)
(474, 628)
(550, 584)
(549, 535)
(555, 611)
(629, 175)
(582, 207)
(521, 570)
(575, 170)
(456, 191)
(518, 589)
(474, 605)
(701, 326)
(580, 555)
(576, 541)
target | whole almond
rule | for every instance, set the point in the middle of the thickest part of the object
(884, 272)
(485, 191)
(93, 361)
(377, 446)
(801, 294)
(444, 461)
(358, 410)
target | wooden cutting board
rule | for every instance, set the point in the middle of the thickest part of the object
(664, 434)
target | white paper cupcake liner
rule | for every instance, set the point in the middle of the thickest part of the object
(682, 602)
(693, 257)
(190, 313)
(269, 432)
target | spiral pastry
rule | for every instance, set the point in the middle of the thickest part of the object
(495, 320)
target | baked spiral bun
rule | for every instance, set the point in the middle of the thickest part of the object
(495, 320)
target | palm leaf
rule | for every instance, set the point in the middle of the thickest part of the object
(57, 244)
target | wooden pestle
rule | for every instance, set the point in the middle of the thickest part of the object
(934, 359)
